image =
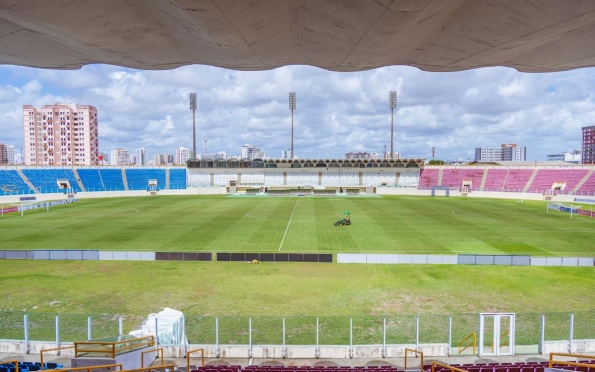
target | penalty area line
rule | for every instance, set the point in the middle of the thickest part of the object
(287, 228)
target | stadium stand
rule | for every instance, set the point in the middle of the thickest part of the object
(545, 178)
(138, 179)
(11, 183)
(112, 179)
(199, 179)
(340, 179)
(253, 178)
(513, 180)
(408, 179)
(177, 178)
(91, 179)
(377, 179)
(223, 179)
(587, 188)
(428, 177)
(44, 180)
(455, 177)
(302, 178)
(274, 179)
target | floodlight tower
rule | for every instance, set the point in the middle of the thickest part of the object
(193, 108)
(392, 99)
(292, 106)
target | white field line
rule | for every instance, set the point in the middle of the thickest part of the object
(287, 228)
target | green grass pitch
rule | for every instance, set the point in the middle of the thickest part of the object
(301, 224)
(298, 291)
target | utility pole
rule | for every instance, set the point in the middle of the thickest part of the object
(292, 106)
(392, 103)
(193, 108)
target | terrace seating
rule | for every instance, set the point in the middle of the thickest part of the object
(45, 179)
(513, 180)
(587, 188)
(455, 177)
(428, 177)
(223, 179)
(112, 179)
(253, 178)
(11, 183)
(302, 178)
(545, 178)
(273, 179)
(199, 180)
(91, 179)
(340, 179)
(177, 178)
(138, 179)
(408, 179)
(379, 179)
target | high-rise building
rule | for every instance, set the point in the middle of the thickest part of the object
(141, 157)
(574, 157)
(286, 154)
(10, 154)
(506, 152)
(251, 152)
(589, 145)
(60, 134)
(3, 154)
(119, 157)
(182, 155)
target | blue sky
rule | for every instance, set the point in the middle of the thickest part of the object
(336, 112)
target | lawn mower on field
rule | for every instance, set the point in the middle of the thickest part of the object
(345, 220)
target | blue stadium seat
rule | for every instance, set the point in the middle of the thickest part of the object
(45, 179)
(177, 178)
(11, 183)
(138, 179)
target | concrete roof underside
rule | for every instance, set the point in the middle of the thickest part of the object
(339, 35)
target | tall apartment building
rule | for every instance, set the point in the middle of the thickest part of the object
(61, 134)
(251, 152)
(589, 145)
(182, 155)
(3, 154)
(10, 154)
(119, 157)
(506, 152)
(142, 157)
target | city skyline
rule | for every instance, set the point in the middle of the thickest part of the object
(338, 112)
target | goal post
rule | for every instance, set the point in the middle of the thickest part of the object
(562, 207)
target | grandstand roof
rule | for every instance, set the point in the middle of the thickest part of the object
(555, 163)
(351, 35)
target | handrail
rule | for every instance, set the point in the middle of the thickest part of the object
(89, 368)
(142, 356)
(171, 367)
(501, 337)
(552, 361)
(149, 341)
(446, 366)
(15, 361)
(474, 343)
(416, 352)
(202, 354)
(54, 349)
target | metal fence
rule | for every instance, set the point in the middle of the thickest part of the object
(531, 328)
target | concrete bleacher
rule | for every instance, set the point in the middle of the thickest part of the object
(408, 179)
(44, 180)
(545, 178)
(302, 178)
(587, 188)
(223, 179)
(177, 178)
(455, 177)
(339, 179)
(253, 178)
(428, 177)
(378, 179)
(138, 179)
(274, 179)
(11, 183)
(199, 180)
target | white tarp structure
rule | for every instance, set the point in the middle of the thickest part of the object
(169, 324)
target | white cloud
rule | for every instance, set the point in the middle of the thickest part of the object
(336, 112)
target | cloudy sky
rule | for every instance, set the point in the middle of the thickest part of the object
(336, 112)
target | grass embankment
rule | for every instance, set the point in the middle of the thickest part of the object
(299, 292)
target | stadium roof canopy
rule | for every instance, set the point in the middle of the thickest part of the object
(341, 35)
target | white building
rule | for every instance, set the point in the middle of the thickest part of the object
(574, 156)
(10, 154)
(119, 157)
(141, 157)
(251, 152)
(286, 154)
(506, 152)
(182, 155)
(60, 134)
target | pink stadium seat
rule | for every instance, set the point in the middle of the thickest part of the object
(545, 178)
(428, 177)
(455, 177)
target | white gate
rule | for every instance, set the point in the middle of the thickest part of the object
(496, 334)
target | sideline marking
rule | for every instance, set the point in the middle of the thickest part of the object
(301, 219)
(287, 228)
